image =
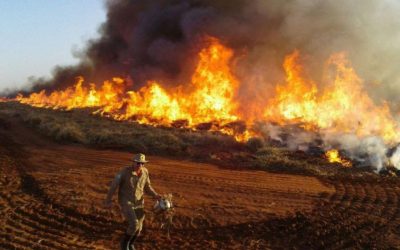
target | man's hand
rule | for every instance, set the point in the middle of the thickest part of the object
(158, 197)
(107, 203)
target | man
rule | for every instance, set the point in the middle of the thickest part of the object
(132, 182)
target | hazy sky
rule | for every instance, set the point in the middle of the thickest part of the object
(36, 35)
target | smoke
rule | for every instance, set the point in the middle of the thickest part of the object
(144, 40)
(157, 40)
(368, 151)
(365, 152)
(395, 158)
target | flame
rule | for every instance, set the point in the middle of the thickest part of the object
(208, 98)
(295, 101)
(342, 106)
(334, 157)
(77, 96)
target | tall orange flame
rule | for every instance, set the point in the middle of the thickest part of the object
(343, 106)
(209, 97)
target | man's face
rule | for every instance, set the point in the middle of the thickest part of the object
(137, 165)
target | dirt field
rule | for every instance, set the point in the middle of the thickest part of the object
(51, 198)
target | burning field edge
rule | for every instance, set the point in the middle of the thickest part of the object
(80, 126)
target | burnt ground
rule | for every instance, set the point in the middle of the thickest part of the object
(51, 196)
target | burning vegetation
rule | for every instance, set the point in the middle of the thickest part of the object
(264, 84)
(209, 101)
(208, 98)
(334, 157)
(217, 65)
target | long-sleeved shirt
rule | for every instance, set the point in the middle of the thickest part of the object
(131, 187)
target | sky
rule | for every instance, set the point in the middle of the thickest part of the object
(36, 35)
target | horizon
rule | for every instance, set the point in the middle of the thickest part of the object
(39, 35)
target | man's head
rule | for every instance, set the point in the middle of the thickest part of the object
(139, 160)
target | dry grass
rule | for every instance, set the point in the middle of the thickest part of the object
(79, 126)
(51, 203)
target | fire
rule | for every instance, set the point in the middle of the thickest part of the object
(342, 106)
(295, 101)
(78, 96)
(334, 157)
(208, 98)
(215, 86)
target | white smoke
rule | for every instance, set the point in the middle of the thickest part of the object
(369, 152)
(395, 158)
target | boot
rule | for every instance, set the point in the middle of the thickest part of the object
(131, 241)
(127, 242)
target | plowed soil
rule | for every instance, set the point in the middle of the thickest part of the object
(52, 194)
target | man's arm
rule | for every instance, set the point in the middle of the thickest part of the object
(113, 188)
(150, 190)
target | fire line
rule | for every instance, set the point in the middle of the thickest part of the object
(342, 106)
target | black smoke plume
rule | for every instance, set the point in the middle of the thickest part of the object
(145, 40)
